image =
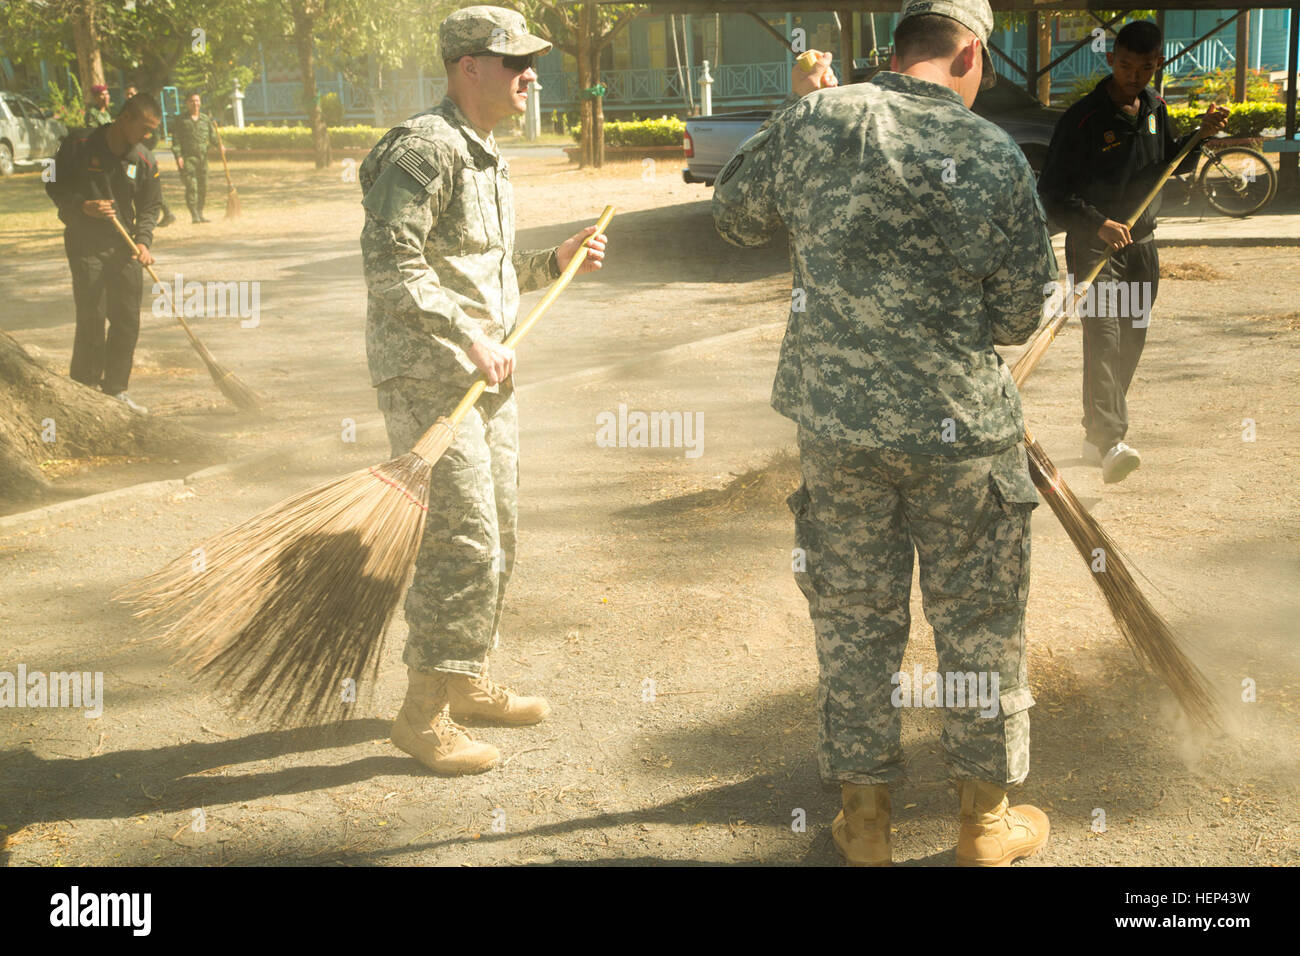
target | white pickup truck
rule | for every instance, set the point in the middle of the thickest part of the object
(709, 141)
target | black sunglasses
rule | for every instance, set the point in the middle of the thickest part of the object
(515, 64)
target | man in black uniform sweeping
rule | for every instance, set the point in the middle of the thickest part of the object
(100, 174)
(1106, 153)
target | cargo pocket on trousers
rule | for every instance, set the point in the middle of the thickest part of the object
(1014, 492)
(804, 553)
(1015, 706)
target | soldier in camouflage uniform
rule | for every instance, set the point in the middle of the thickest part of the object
(444, 278)
(192, 133)
(919, 243)
(98, 112)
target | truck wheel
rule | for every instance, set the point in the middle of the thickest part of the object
(6, 160)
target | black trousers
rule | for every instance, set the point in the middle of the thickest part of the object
(105, 284)
(1112, 344)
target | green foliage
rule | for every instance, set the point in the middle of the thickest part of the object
(68, 109)
(1080, 88)
(665, 131)
(1220, 84)
(331, 109)
(1244, 119)
(212, 76)
(299, 137)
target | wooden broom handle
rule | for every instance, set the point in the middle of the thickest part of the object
(521, 329)
(153, 275)
(1047, 334)
(224, 165)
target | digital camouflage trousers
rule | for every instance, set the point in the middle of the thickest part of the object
(453, 607)
(860, 514)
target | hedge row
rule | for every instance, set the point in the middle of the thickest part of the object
(665, 131)
(1244, 119)
(299, 137)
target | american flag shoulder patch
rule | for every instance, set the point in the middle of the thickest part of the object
(419, 168)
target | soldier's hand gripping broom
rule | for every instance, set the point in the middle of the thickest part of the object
(239, 394)
(292, 603)
(1046, 335)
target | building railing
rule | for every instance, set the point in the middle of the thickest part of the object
(1211, 55)
(401, 98)
(740, 84)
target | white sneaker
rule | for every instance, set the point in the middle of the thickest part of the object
(1119, 462)
(1091, 454)
(125, 399)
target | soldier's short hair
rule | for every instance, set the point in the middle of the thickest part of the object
(927, 36)
(1140, 37)
(142, 104)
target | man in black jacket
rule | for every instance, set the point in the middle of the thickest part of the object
(100, 174)
(151, 143)
(1106, 153)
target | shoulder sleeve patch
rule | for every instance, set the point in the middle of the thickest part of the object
(415, 165)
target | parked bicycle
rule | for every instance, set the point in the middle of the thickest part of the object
(1236, 180)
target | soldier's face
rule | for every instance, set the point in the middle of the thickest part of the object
(505, 86)
(194, 104)
(1133, 71)
(102, 99)
(136, 127)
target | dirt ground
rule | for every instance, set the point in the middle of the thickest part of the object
(653, 602)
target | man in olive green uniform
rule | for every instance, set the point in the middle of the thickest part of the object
(918, 243)
(444, 277)
(98, 113)
(192, 133)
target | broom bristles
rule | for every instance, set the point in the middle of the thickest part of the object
(295, 601)
(232, 204)
(1144, 629)
(238, 394)
(227, 382)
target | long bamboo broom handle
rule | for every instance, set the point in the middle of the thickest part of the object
(224, 165)
(153, 275)
(530, 320)
(1045, 336)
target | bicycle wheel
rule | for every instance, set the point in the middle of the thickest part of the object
(1238, 181)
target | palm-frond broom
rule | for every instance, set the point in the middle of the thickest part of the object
(288, 609)
(239, 394)
(233, 208)
(1143, 627)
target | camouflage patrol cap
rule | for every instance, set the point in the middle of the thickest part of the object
(487, 30)
(975, 15)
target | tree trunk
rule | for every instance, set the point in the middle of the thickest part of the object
(304, 23)
(598, 113)
(1239, 88)
(1044, 58)
(45, 416)
(375, 75)
(85, 32)
(586, 108)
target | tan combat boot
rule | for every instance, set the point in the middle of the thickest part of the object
(482, 699)
(861, 831)
(993, 834)
(424, 730)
